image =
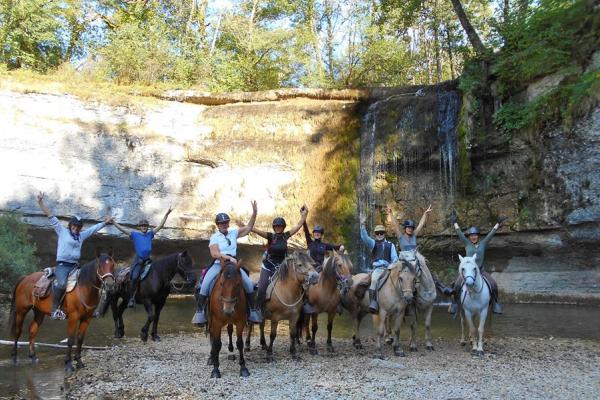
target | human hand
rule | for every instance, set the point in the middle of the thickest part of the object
(453, 217)
(254, 206)
(304, 210)
(501, 220)
(429, 209)
(362, 219)
(40, 197)
(342, 249)
(108, 219)
(171, 208)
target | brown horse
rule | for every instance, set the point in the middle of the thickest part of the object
(292, 279)
(394, 296)
(228, 306)
(325, 295)
(356, 301)
(79, 305)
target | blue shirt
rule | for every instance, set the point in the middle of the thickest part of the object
(69, 247)
(407, 242)
(227, 243)
(370, 243)
(142, 242)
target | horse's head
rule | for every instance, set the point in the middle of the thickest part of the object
(407, 273)
(302, 265)
(468, 269)
(343, 269)
(105, 269)
(231, 285)
(184, 267)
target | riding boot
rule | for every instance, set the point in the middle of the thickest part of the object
(255, 314)
(373, 305)
(307, 308)
(131, 303)
(57, 298)
(447, 291)
(496, 306)
(453, 308)
(200, 315)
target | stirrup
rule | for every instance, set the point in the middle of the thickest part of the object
(58, 314)
(497, 308)
(255, 317)
(199, 318)
(307, 308)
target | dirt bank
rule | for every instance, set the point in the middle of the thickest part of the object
(530, 368)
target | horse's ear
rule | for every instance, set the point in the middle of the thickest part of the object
(110, 252)
(460, 257)
(98, 252)
(184, 253)
(474, 256)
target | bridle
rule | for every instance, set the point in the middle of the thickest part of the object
(181, 271)
(474, 278)
(236, 289)
(102, 286)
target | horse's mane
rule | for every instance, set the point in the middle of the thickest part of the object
(329, 268)
(165, 261)
(87, 273)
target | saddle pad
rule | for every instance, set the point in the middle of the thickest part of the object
(146, 271)
(40, 289)
(122, 275)
(384, 277)
(271, 286)
(72, 280)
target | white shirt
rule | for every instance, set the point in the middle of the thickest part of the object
(227, 243)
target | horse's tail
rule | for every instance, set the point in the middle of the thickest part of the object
(12, 319)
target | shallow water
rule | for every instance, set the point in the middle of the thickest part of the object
(45, 380)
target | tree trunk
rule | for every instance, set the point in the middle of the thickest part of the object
(450, 54)
(328, 14)
(469, 30)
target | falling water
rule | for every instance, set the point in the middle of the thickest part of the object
(448, 105)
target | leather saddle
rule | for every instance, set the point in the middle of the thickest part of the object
(146, 267)
(122, 276)
(41, 289)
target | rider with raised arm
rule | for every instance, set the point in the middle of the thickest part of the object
(68, 252)
(276, 251)
(408, 240)
(223, 244)
(383, 254)
(475, 246)
(316, 247)
(142, 243)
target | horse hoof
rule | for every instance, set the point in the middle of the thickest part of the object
(479, 353)
(463, 343)
(330, 349)
(296, 357)
(379, 357)
(80, 365)
(215, 373)
(389, 340)
(34, 360)
(209, 361)
(69, 367)
(244, 373)
(414, 349)
(156, 338)
(230, 349)
(144, 337)
(429, 347)
(313, 351)
(474, 352)
(269, 359)
(231, 357)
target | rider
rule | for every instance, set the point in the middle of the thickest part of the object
(68, 252)
(223, 244)
(474, 246)
(316, 247)
(408, 241)
(276, 251)
(383, 254)
(142, 243)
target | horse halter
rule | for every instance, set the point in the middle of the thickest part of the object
(473, 277)
(103, 277)
(236, 289)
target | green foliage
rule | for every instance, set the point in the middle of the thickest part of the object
(16, 251)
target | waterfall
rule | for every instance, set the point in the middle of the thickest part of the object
(448, 107)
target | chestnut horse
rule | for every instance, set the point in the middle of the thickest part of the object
(227, 306)
(79, 305)
(293, 277)
(325, 295)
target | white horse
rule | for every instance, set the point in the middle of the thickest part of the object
(475, 299)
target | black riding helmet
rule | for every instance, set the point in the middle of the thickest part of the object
(222, 218)
(409, 223)
(143, 222)
(279, 222)
(76, 221)
(319, 228)
(473, 231)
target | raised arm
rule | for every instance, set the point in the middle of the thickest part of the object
(303, 214)
(364, 236)
(307, 234)
(422, 221)
(95, 228)
(122, 228)
(259, 232)
(394, 222)
(43, 207)
(394, 254)
(491, 234)
(459, 232)
(244, 230)
(162, 223)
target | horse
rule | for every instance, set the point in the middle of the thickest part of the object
(356, 302)
(423, 301)
(475, 299)
(325, 296)
(79, 305)
(291, 280)
(227, 306)
(153, 291)
(395, 296)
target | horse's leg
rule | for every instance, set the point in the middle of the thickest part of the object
(157, 309)
(469, 318)
(389, 331)
(83, 325)
(214, 354)
(463, 341)
(249, 335)
(482, 317)
(115, 315)
(428, 338)
(294, 335)
(315, 326)
(121, 310)
(307, 328)
(20, 313)
(330, 318)
(397, 324)
(263, 342)
(379, 323)
(71, 332)
(148, 308)
(356, 320)
(272, 337)
(231, 356)
(38, 318)
(413, 335)
(239, 330)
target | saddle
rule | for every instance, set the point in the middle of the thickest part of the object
(146, 265)
(122, 276)
(271, 286)
(41, 289)
(382, 279)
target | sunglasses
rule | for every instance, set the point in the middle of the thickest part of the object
(379, 233)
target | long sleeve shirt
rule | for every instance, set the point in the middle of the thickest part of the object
(478, 248)
(69, 247)
(316, 247)
(370, 243)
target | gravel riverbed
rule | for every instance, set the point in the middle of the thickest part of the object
(512, 368)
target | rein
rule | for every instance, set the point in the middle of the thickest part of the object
(102, 278)
(302, 290)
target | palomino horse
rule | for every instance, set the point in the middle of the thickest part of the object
(227, 306)
(475, 298)
(153, 291)
(79, 305)
(425, 296)
(394, 296)
(325, 295)
(291, 280)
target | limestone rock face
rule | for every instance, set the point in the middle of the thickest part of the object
(133, 161)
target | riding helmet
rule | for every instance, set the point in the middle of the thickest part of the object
(279, 222)
(473, 231)
(409, 223)
(319, 228)
(143, 222)
(222, 218)
(76, 221)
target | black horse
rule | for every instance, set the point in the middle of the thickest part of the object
(153, 291)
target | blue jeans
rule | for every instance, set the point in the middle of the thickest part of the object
(136, 268)
(61, 273)
(213, 273)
